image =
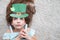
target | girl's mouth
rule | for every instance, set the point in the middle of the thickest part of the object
(18, 25)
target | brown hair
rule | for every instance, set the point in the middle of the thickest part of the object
(30, 10)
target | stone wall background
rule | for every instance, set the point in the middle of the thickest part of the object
(46, 21)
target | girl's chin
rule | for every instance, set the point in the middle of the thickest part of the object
(18, 27)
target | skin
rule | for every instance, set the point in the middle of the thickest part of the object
(18, 24)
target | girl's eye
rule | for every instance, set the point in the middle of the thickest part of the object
(21, 18)
(15, 18)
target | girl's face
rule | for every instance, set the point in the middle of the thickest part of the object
(18, 23)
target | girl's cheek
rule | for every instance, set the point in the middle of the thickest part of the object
(14, 21)
(24, 22)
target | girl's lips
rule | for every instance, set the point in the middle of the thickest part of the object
(18, 25)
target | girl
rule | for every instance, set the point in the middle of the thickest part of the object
(19, 16)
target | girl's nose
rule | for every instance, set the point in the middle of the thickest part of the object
(18, 20)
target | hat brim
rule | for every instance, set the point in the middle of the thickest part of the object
(19, 16)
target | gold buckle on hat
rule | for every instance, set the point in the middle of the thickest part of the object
(18, 13)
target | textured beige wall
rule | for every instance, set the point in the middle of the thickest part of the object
(3, 4)
(46, 21)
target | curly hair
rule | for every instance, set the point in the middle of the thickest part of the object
(30, 10)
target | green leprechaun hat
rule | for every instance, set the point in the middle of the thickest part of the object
(19, 10)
